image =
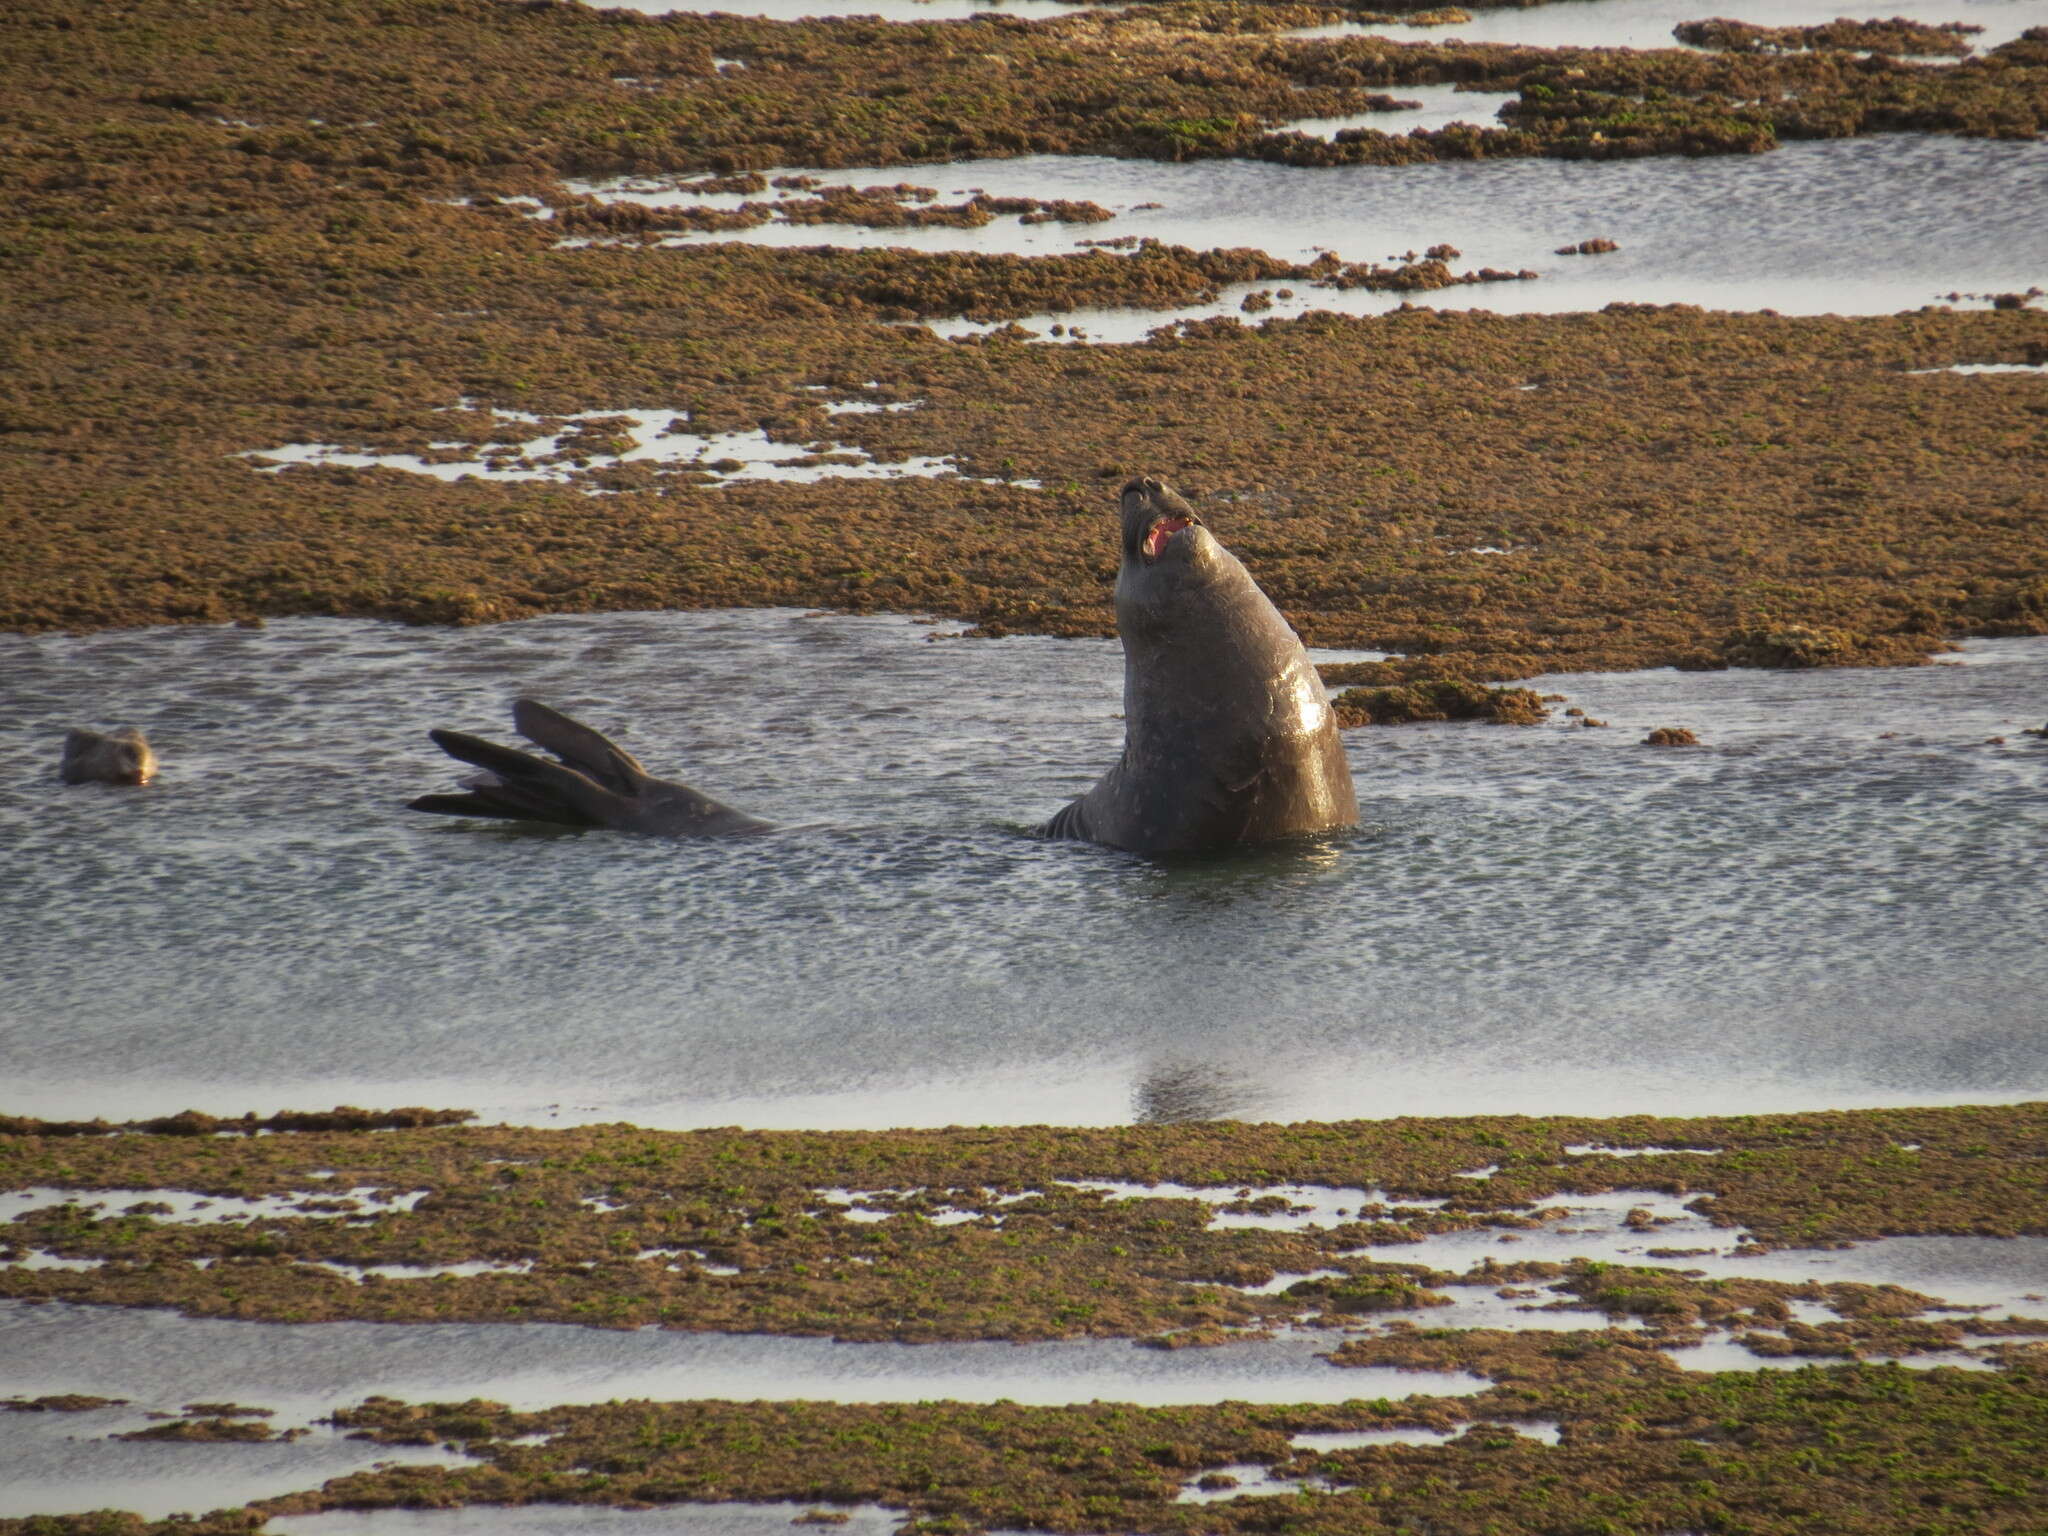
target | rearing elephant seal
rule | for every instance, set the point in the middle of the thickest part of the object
(1228, 735)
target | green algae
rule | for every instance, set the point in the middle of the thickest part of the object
(1859, 1450)
(735, 1231)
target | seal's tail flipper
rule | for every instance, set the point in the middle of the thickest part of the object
(595, 756)
(519, 786)
(495, 803)
(596, 783)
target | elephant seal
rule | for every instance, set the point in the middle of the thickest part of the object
(119, 756)
(1228, 739)
(1228, 734)
(591, 782)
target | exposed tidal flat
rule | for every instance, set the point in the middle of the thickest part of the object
(678, 1380)
(272, 248)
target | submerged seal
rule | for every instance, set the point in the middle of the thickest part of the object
(119, 756)
(1228, 734)
(1228, 737)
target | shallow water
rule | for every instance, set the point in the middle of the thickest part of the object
(1846, 226)
(63, 1463)
(583, 1520)
(2004, 1276)
(654, 439)
(1802, 914)
(1648, 23)
(159, 1360)
(361, 1203)
(1578, 24)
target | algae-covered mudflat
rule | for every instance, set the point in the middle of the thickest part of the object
(1635, 1128)
(1563, 1316)
(233, 228)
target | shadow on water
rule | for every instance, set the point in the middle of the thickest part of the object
(1175, 1092)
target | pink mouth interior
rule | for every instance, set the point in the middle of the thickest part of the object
(1157, 535)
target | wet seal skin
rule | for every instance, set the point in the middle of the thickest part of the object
(590, 782)
(119, 756)
(1228, 736)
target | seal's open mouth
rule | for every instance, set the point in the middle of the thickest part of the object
(1162, 530)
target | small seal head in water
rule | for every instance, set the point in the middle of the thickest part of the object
(1228, 735)
(590, 782)
(119, 756)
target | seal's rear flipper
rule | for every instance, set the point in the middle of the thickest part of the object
(496, 807)
(589, 752)
(523, 785)
(596, 783)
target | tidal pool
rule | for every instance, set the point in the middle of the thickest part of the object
(1845, 226)
(158, 1361)
(736, 1519)
(1580, 24)
(650, 437)
(64, 1463)
(1834, 902)
(1648, 23)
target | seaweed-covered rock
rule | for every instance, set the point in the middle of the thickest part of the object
(1898, 35)
(1791, 645)
(1671, 736)
(1368, 1293)
(204, 1431)
(1440, 699)
(60, 1402)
